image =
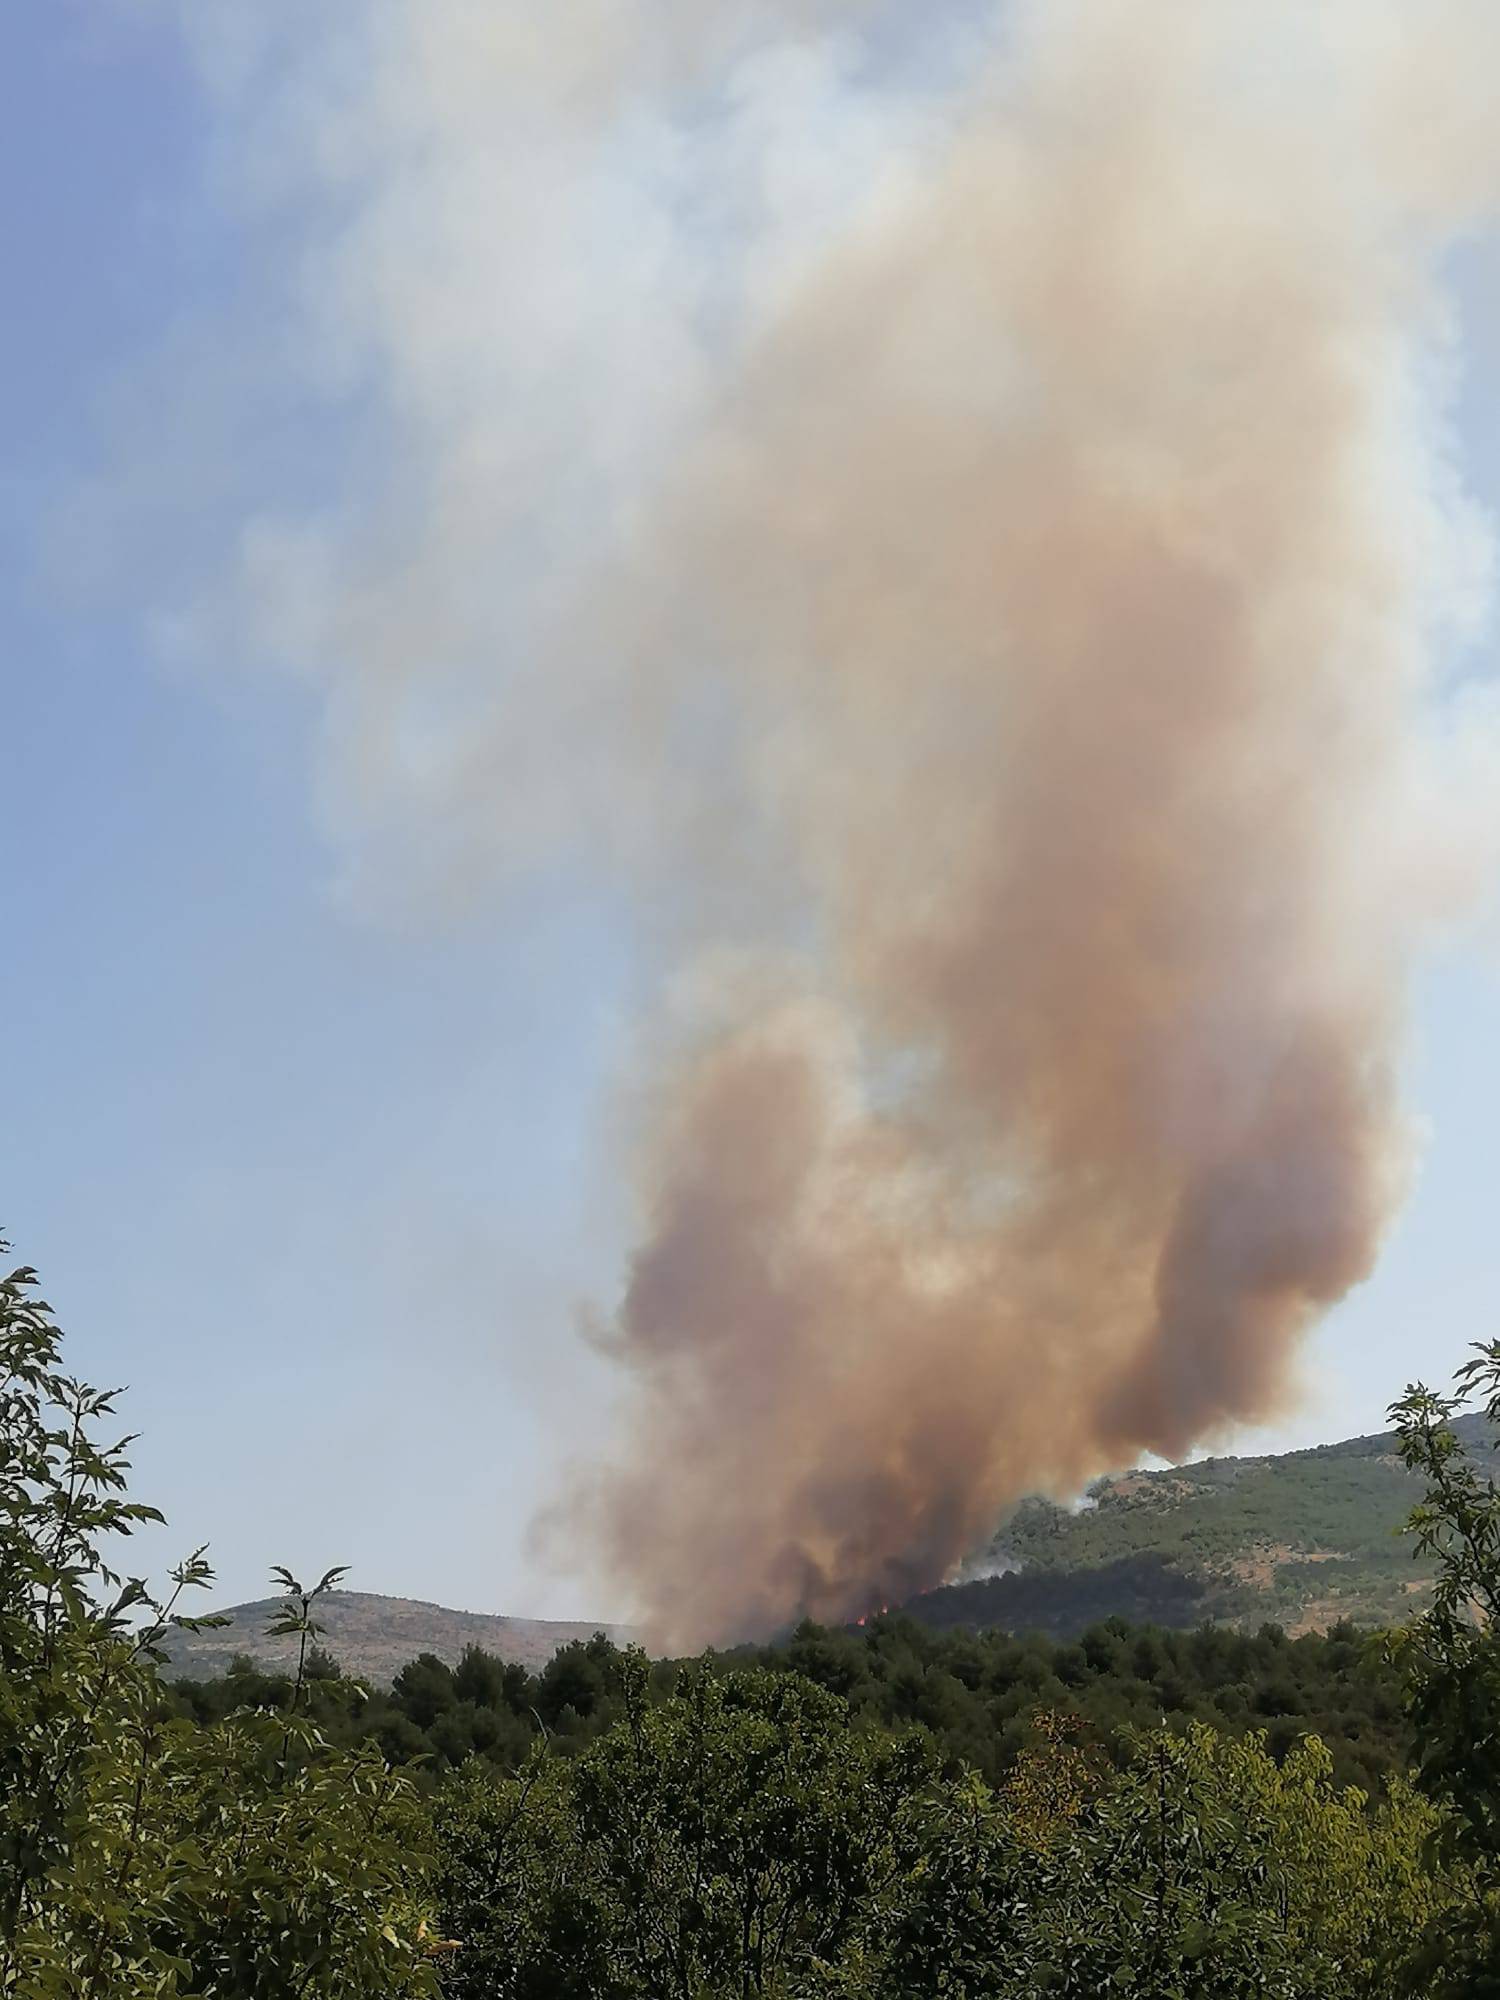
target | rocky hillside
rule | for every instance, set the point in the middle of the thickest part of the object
(1302, 1540)
(374, 1637)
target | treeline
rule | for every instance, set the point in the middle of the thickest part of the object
(976, 1697)
(879, 1816)
(746, 1837)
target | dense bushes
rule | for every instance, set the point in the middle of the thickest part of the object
(866, 1816)
(722, 1841)
(745, 1837)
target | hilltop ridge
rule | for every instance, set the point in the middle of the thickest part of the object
(1304, 1539)
(374, 1636)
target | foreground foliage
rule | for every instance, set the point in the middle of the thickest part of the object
(140, 1854)
(745, 1838)
(1452, 1664)
(845, 1817)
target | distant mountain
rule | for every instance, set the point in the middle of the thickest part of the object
(374, 1637)
(1302, 1540)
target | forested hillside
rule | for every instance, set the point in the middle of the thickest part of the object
(1307, 1539)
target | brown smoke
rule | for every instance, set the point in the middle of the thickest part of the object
(1076, 531)
(997, 621)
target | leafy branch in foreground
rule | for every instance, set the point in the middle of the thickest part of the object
(138, 1852)
(296, 1619)
(1452, 1664)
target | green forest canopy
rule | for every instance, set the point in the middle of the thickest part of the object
(845, 1817)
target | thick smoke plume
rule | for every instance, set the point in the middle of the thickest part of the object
(960, 513)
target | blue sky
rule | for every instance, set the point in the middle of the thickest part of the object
(321, 1182)
(269, 1158)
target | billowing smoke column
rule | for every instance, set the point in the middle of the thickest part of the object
(996, 615)
(1076, 527)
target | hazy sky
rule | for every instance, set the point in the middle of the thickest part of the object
(316, 1170)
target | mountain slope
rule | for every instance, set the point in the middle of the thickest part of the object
(374, 1637)
(1303, 1540)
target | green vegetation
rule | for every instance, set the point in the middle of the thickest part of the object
(746, 1838)
(1452, 1664)
(850, 1816)
(1307, 1540)
(975, 1696)
(139, 1853)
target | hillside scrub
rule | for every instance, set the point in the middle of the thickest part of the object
(1311, 1537)
(744, 1837)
